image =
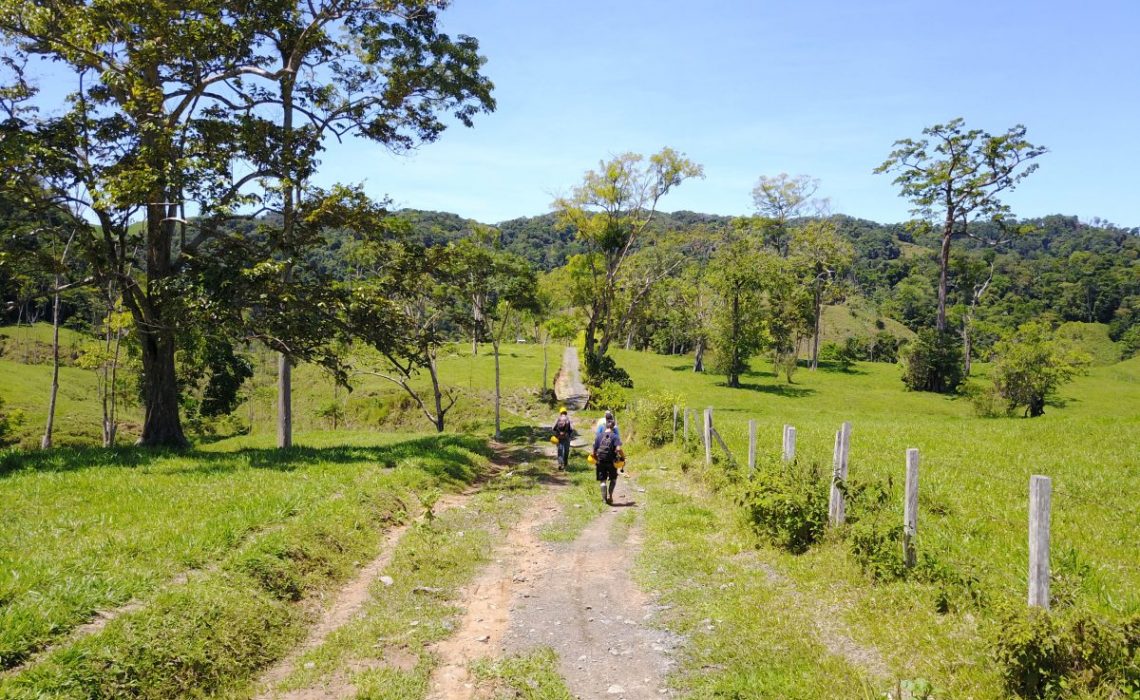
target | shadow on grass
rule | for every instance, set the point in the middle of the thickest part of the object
(786, 390)
(448, 456)
(836, 368)
(524, 434)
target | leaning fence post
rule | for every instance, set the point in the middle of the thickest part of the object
(751, 447)
(910, 509)
(836, 514)
(708, 435)
(1040, 491)
(789, 443)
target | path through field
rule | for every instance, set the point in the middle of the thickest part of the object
(577, 598)
(568, 386)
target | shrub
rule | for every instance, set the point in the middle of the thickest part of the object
(932, 362)
(787, 504)
(653, 419)
(1045, 656)
(10, 422)
(842, 356)
(1130, 342)
(1031, 364)
(609, 396)
(602, 368)
(986, 400)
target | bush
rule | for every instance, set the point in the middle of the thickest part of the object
(653, 419)
(1031, 364)
(602, 368)
(787, 504)
(841, 356)
(10, 422)
(1130, 342)
(986, 400)
(932, 362)
(1045, 656)
(609, 396)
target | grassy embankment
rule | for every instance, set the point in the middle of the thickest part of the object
(751, 610)
(218, 549)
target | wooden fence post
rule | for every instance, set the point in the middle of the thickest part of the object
(836, 509)
(708, 435)
(674, 422)
(1040, 491)
(685, 435)
(751, 447)
(910, 509)
(789, 451)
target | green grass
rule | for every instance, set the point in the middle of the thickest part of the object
(855, 320)
(377, 404)
(532, 676)
(972, 519)
(87, 530)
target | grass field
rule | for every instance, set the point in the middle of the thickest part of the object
(182, 534)
(973, 517)
(229, 536)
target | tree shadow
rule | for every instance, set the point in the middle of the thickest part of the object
(836, 368)
(786, 390)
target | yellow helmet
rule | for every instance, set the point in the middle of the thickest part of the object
(591, 459)
(554, 439)
(620, 464)
(562, 410)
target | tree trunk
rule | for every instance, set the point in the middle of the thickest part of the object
(699, 359)
(284, 401)
(498, 430)
(815, 341)
(967, 346)
(437, 394)
(45, 443)
(944, 272)
(162, 426)
(111, 422)
(545, 364)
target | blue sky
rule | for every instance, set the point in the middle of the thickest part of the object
(821, 87)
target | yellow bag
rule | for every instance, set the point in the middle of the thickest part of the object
(554, 439)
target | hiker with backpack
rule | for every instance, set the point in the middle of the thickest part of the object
(607, 451)
(564, 431)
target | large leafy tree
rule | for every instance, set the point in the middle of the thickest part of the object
(611, 211)
(955, 177)
(1031, 364)
(739, 319)
(172, 105)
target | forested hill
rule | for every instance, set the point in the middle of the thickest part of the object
(1054, 266)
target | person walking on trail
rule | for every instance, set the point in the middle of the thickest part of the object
(607, 451)
(564, 431)
(609, 420)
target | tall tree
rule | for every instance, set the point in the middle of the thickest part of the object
(821, 257)
(611, 211)
(778, 200)
(502, 286)
(168, 100)
(954, 177)
(738, 321)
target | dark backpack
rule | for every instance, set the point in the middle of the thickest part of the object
(607, 447)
